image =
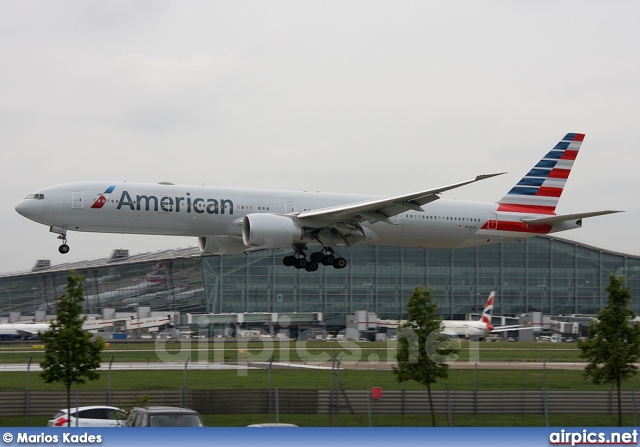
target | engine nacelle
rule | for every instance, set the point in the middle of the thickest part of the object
(270, 231)
(221, 245)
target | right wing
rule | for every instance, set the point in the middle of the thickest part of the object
(380, 210)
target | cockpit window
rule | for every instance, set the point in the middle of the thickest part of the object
(35, 196)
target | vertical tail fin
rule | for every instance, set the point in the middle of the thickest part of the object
(540, 190)
(488, 310)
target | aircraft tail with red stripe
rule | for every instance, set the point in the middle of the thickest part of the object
(537, 194)
(488, 311)
(540, 190)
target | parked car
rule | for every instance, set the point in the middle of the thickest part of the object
(272, 424)
(157, 416)
(93, 416)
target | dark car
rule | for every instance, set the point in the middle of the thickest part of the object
(158, 416)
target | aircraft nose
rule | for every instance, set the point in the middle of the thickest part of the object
(21, 208)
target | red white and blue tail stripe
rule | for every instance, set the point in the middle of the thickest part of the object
(540, 190)
(488, 310)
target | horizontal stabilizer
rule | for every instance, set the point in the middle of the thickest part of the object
(566, 217)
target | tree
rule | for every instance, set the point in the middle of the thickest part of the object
(70, 355)
(613, 344)
(422, 348)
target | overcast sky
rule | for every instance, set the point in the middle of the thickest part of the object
(379, 97)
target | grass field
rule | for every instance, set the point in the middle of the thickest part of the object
(226, 351)
(314, 352)
(486, 379)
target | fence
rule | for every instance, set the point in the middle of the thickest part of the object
(46, 403)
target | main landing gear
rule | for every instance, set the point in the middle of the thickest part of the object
(325, 257)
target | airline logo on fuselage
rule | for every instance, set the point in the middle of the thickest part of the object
(100, 201)
(169, 204)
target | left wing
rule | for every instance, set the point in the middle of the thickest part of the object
(380, 210)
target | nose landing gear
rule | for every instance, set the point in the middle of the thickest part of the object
(64, 248)
(62, 235)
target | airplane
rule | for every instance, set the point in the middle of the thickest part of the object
(467, 328)
(22, 331)
(470, 328)
(481, 327)
(29, 331)
(235, 220)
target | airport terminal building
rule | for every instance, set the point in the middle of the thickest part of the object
(542, 274)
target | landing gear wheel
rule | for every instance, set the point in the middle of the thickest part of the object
(316, 257)
(289, 260)
(328, 260)
(64, 248)
(340, 263)
(311, 267)
(301, 263)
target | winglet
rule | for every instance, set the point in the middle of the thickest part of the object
(486, 176)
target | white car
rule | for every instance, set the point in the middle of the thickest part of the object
(94, 416)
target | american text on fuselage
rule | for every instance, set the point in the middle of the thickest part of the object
(178, 204)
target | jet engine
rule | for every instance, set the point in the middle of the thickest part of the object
(221, 245)
(270, 231)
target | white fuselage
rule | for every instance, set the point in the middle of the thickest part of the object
(464, 328)
(201, 211)
(22, 330)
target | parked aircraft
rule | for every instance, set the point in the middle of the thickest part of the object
(479, 328)
(234, 220)
(22, 330)
(470, 328)
(28, 331)
(467, 328)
